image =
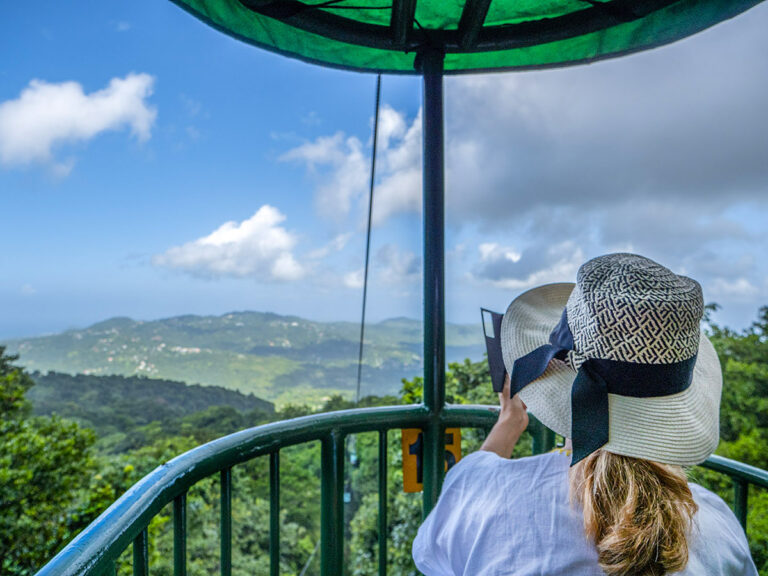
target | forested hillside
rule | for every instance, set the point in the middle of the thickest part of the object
(278, 358)
(118, 408)
(78, 481)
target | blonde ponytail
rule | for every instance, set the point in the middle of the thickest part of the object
(637, 512)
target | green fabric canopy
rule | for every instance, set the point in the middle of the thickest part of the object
(476, 35)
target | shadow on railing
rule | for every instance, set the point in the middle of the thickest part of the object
(96, 549)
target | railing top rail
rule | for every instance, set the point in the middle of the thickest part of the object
(738, 470)
(120, 524)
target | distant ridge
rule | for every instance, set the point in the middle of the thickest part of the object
(283, 359)
(400, 319)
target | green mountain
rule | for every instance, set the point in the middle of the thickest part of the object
(283, 359)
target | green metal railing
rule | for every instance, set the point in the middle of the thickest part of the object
(96, 550)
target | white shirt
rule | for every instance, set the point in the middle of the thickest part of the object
(512, 517)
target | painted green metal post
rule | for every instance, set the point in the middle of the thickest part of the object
(740, 497)
(274, 513)
(382, 502)
(225, 522)
(180, 535)
(543, 437)
(141, 554)
(332, 505)
(431, 67)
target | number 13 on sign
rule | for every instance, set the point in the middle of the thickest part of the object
(413, 450)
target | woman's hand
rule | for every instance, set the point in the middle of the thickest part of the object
(513, 411)
(512, 422)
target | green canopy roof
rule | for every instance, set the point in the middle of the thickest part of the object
(385, 35)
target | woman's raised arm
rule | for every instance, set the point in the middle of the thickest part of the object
(512, 422)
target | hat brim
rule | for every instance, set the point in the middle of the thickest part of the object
(682, 428)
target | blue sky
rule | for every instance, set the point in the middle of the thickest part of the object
(151, 166)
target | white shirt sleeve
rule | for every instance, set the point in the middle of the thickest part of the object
(445, 536)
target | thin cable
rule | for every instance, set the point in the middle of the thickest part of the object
(368, 239)
(309, 560)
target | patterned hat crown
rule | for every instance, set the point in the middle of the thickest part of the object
(629, 308)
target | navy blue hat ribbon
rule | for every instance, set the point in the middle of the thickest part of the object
(595, 379)
(529, 367)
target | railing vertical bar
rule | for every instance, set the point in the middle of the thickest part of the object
(332, 505)
(740, 497)
(543, 437)
(382, 502)
(180, 535)
(274, 513)
(225, 522)
(141, 554)
(110, 570)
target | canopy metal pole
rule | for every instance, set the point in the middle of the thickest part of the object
(431, 66)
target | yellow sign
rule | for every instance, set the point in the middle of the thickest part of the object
(413, 451)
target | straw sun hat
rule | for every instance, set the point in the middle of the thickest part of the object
(618, 361)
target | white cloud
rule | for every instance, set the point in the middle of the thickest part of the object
(392, 125)
(399, 164)
(490, 251)
(257, 247)
(28, 290)
(46, 116)
(337, 244)
(341, 167)
(192, 132)
(311, 118)
(390, 265)
(354, 279)
(396, 266)
(62, 168)
(192, 106)
(506, 268)
(736, 288)
(672, 227)
(123, 26)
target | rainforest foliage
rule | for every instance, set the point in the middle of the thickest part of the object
(57, 474)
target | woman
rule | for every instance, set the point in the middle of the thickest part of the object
(618, 365)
